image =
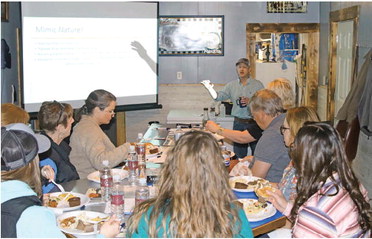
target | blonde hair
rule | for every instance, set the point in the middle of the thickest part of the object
(296, 117)
(283, 88)
(29, 174)
(11, 113)
(193, 192)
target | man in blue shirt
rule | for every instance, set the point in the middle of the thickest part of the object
(239, 92)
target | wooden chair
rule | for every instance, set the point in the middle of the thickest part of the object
(350, 135)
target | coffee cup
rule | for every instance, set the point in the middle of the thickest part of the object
(240, 103)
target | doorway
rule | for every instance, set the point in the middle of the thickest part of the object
(342, 58)
(306, 72)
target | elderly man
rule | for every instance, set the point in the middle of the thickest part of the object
(239, 92)
(271, 155)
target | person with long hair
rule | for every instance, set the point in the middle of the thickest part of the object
(11, 114)
(330, 202)
(90, 146)
(55, 121)
(194, 199)
(294, 120)
(22, 214)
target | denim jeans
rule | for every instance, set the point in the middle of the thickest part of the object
(241, 150)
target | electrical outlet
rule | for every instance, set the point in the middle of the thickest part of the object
(179, 75)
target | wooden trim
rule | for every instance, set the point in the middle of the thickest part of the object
(121, 137)
(345, 14)
(312, 29)
(277, 223)
(282, 27)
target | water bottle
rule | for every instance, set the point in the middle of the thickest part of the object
(141, 153)
(106, 181)
(205, 117)
(117, 198)
(222, 110)
(132, 165)
(178, 133)
(142, 191)
(225, 155)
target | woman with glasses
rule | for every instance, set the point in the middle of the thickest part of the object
(294, 120)
(90, 146)
(330, 202)
(55, 120)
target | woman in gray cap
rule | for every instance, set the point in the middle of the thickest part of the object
(22, 214)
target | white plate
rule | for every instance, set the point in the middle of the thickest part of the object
(115, 171)
(244, 179)
(267, 212)
(76, 232)
(83, 200)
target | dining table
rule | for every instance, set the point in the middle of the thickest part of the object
(162, 137)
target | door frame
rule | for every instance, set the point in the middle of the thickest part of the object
(312, 63)
(345, 14)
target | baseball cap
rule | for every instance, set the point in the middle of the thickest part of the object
(243, 60)
(20, 145)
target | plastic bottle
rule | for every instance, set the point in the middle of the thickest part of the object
(205, 117)
(106, 181)
(225, 155)
(141, 153)
(132, 165)
(142, 191)
(222, 110)
(178, 133)
(117, 198)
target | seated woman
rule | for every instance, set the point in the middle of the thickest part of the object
(194, 199)
(330, 202)
(90, 146)
(10, 114)
(55, 120)
(21, 212)
(294, 120)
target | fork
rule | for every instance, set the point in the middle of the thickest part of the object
(59, 186)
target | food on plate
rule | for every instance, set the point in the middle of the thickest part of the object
(262, 192)
(93, 192)
(74, 201)
(247, 183)
(81, 222)
(239, 185)
(62, 200)
(151, 149)
(154, 150)
(253, 207)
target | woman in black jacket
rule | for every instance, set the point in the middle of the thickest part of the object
(55, 121)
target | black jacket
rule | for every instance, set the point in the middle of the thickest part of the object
(60, 155)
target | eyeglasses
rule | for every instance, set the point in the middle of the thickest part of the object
(283, 129)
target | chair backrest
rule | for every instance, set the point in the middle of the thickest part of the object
(350, 135)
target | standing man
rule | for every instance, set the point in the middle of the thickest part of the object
(239, 92)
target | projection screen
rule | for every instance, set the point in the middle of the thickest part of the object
(70, 49)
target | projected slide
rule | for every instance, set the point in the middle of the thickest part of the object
(65, 58)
